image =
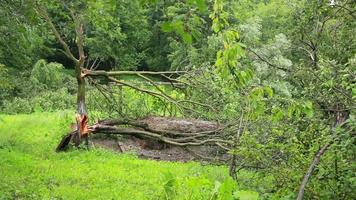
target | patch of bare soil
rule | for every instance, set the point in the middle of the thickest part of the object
(151, 149)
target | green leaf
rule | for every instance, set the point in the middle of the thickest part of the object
(291, 110)
(178, 26)
(187, 38)
(277, 114)
(215, 191)
(219, 61)
(201, 5)
(269, 91)
(246, 195)
(308, 109)
(216, 25)
(309, 104)
(169, 185)
(166, 27)
(226, 190)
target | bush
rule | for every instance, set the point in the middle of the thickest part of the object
(41, 89)
(17, 105)
(44, 101)
(50, 75)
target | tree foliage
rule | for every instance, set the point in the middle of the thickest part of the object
(280, 73)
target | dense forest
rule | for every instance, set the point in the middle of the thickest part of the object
(268, 85)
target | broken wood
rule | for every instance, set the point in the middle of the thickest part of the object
(64, 143)
(178, 132)
(87, 72)
(81, 116)
(138, 128)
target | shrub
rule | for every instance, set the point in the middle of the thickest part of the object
(44, 101)
(40, 90)
(17, 105)
(50, 75)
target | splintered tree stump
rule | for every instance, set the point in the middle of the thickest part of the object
(82, 128)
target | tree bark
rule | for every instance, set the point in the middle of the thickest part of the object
(81, 112)
(178, 132)
(81, 117)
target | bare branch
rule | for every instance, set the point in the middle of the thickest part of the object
(117, 73)
(267, 62)
(156, 86)
(93, 64)
(145, 126)
(102, 90)
(43, 13)
(80, 37)
(130, 131)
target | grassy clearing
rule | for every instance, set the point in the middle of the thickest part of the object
(30, 169)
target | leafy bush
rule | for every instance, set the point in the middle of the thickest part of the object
(45, 101)
(17, 105)
(42, 90)
(4, 80)
(50, 75)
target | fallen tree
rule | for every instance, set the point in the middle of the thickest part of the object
(179, 132)
(172, 131)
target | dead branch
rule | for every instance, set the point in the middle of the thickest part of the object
(156, 86)
(233, 167)
(80, 38)
(150, 92)
(171, 127)
(176, 132)
(108, 95)
(146, 134)
(162, 95)
(210, 159)
(43, 13)
(142, 74)
(265, 60)
(118, 73)
(65, 141)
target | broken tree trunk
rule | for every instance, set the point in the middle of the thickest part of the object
(202, 133)
(81, 116)
(179, 132)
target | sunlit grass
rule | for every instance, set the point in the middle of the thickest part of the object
(30, 169)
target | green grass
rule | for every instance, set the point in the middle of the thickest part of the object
(30, 169)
